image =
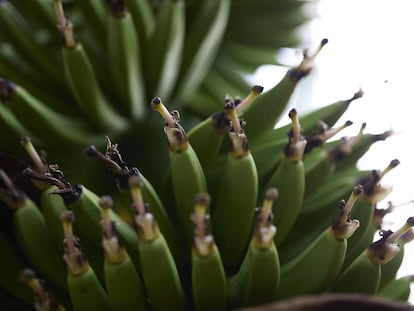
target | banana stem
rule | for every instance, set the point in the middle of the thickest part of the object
(65, 26)
(343, 227)
(264, 229)
(255, 91)
(203, 240)
(39, 163)
(297, 143)
(75, 260)
(147, 227)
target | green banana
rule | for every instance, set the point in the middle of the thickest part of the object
(208, 276)
(289, 179)
(124, 50)
(187, 175)
(364, 211)
(43, 299)
(397, 289)
(329, 114)
(41, 120)
(207, 137)
(364, 274)
(144, 19)
(85, 291)
(12, 128)
(321, 163)
(97, 17)
(85, 204)
(320, 263)
(258, 279)
(121, 173)
(263, 114)
(82, 80)
(159, 271)
(165, 46)
(32, 234)
(24, 41)
(233, 213)
(389, 270)
(123, 284)
(204, 38)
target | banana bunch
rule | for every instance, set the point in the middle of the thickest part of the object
(165, 192)
(72, 71)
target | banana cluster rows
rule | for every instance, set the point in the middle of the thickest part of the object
(236, 221)
(197, 202)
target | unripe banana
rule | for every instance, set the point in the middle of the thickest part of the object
(123, 284)
(319, 264)
(261, 118)
(85, 204)
(364, 211)
(204, 38)
(364, 274)
(187, 175)
(41, 120)
(258, 279)
(159, 271)
(233, 212)
(289, 179)
(389, 270)
(82, 80)
(124, 53)
(165, 46)
(32, 234)
(85, 291)
(397, 289)
(208, 278)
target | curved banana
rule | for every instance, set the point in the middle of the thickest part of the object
(121, 174)
(364, 211)
(233, 212)
(258, 279)
(123, 284)
(266, 110)
(42, 121)
(321, 163)
(165, 48)
(24, 42)
(97, 14)
(124, 52)
(85, 291)
(389, 270)
(364, 274)
(289, 179)
(319, 264)
(159, 271)
(208, 278)
(85, 204)
(32, 234)
(82, 80)
(144, 19)
(205, 35)
(187, 175)
(329, 114)
(397, 289)
(206, 138)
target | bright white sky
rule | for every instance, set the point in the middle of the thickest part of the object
(370, 46)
